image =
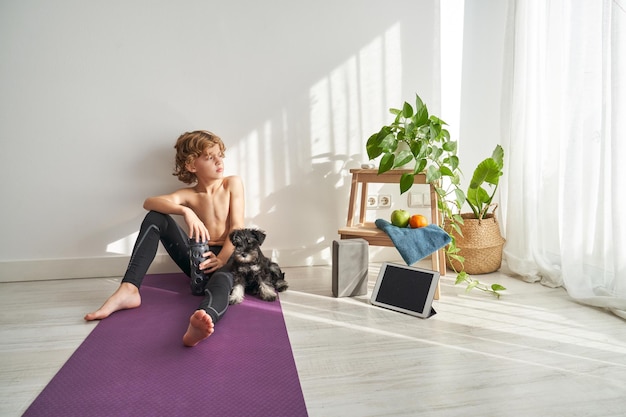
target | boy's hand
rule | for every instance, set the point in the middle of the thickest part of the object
(196, 228)
(211, 264)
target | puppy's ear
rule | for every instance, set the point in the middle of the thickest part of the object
(259, 235)
(235, 236)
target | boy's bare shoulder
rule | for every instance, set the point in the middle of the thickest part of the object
(185, 191)
(183, 195)
(232, 181)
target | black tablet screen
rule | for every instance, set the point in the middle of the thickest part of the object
(404, 288)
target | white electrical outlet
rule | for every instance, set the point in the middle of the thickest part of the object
(384, 201)
(372, 202)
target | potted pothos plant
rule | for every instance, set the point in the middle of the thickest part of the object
(418, 138)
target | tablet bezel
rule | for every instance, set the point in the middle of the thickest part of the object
(427, 308)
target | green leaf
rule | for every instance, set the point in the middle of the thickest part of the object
(418, 102)
(410, 132)
(471, 286)
(437, 121)
(498, 156)
(386, 163)
(374, 144)
(497, 287)
(432, 174)
(395, 111)
(487, 171)
(454, 161)
(457, 229)
(453, 251)
(403, 158)
(407, 110)
(449, 146)
(415, 146)
(478, 197)
(406, 182)
(373, 147)
(453, 255)
(456, 179)
(445, 171)
(461, 277)
(420, 165)
(389, 143)
(460, 198)
(460, 195)
(434, 132)
(421, 116)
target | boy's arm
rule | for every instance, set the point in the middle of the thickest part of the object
(175, 203)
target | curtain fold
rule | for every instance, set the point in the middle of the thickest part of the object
(565, 138)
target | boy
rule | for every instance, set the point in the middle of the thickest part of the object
(211, 209)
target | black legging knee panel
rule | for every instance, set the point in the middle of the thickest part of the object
(154, 228)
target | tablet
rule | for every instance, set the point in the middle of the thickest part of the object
(407, 289)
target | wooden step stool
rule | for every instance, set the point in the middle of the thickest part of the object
(369, 231)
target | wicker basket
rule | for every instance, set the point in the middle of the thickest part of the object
(481, 244)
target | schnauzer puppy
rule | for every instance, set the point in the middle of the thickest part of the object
(252, 271)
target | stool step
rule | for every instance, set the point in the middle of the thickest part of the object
(369, 232)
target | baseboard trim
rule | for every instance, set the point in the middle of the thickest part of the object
(115, 266)
(51, 269)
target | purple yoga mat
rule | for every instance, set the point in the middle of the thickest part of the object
(134, 363)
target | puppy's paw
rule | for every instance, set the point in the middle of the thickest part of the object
(281, 285)
(236, 295)
(266, 292)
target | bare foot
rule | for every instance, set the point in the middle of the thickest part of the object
(200, 327)
(125, 297)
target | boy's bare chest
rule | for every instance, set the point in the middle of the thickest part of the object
(210, 206)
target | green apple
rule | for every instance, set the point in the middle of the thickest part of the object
(400, 218)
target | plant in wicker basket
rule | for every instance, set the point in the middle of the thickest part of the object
(476, 235)
(428, 144)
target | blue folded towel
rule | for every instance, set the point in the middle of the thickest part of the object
(415, 244)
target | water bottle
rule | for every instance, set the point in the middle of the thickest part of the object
(196, 256)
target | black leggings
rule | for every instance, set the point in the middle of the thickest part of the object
(162, 227)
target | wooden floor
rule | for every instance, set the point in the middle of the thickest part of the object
(534, 352)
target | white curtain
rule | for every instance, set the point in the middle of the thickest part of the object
(565, 138)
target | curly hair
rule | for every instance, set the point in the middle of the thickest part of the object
(189, 146)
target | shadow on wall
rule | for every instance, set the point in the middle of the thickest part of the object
(307, 213)
(148, 174)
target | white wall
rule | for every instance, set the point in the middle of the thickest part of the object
(94, 94)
